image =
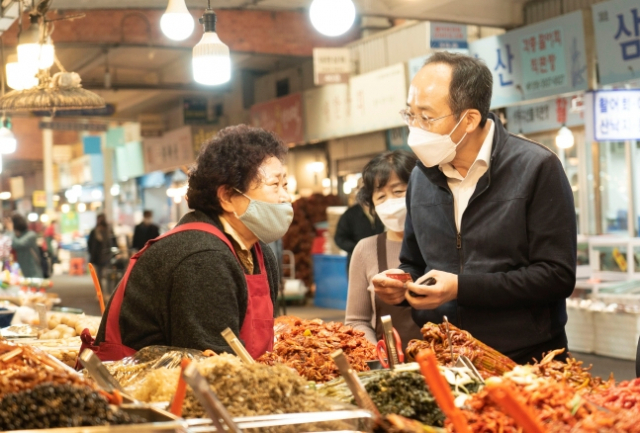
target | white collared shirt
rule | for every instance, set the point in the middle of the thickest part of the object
(464, 187)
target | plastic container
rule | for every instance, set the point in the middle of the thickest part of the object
(330, 276)
(6, 316)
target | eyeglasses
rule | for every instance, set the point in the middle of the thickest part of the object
(423, 121)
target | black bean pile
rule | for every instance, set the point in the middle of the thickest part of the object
(52, 406)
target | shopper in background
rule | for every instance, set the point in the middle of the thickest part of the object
(25, 244)
(145, 231)
(383, 192)
(490, 217)
(353, 226)
(214, 270)
(101, 240)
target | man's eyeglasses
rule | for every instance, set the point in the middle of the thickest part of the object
(422, 121)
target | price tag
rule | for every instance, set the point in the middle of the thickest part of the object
(41, 309)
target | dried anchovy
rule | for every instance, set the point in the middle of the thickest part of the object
(307, 345)
(23, 367)
(488, 361)
(248, 390)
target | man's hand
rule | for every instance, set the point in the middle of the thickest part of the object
(444, 290)
(389, 290)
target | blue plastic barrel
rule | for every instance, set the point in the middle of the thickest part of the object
(330, 276)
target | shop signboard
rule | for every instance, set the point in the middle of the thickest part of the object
(617, 115)
(617, 28)
(448, 35)
(544, 116)
(326, 111)
(129, 161)
(201, 134)
(376, 99)
(39, 199)
(17, 187)
(81, 170)
(115, 137)
(331, 65)
(69, 222)
(195, 111)
(536, 61)
(172, 150)
(282, 116)
(92, 145)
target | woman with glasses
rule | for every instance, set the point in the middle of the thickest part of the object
(383, 193)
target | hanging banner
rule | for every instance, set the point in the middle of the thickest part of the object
(448, 35)
(617, 27)
(172, 150)
(617, 115)
(536, 61)
(326, 111)
(281, 116)
(39, 199)
(331, 65)
(377, 98)
(544, 116)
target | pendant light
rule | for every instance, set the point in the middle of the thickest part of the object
(8, 141)
(176, 22)
(35, 50)
(565, 138)
(211, 59)
(332, 17)
(19, 77)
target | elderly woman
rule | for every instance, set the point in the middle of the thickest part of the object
(213, 270)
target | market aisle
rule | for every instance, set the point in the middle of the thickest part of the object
(78, 292)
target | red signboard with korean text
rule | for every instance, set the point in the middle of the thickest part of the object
(282, 116)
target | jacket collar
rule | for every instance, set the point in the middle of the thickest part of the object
(435, 175)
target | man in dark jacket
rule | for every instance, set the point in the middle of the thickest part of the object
(491, 218)
(353, 226)
(145, 231)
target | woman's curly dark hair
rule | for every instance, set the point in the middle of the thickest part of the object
(232, 159)
(377, 172)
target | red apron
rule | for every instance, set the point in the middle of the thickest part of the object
(257, 328)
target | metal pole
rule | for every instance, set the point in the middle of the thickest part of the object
(47, 144)
(107, 157)
(629, 147)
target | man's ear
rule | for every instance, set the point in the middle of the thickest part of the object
(472, 120)
(224, 197)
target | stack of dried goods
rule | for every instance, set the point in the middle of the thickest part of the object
(23, 367)
(558, 406)
(52, 406)
(61, 325)
(488, 361)
(570, 372)
(625, 395)
(307, 345)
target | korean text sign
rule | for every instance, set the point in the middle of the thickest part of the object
(617, 115)
(282, 116)
(617, 27)
(536, 61)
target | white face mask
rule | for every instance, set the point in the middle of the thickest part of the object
(392, 213)
(433, 149)
(268, 221)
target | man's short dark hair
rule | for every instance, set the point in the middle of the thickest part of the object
(471, 83)
(377, 172)
(147, 214)
(19, 223)
(231, 159)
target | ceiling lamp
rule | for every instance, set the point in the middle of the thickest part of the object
(8, 141)
(19, 77)
(35, 49)
(565, 139)
(211, 59)
(176, 22)
(332, 17)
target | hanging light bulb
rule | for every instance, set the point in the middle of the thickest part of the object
(33, 52)
(8, 141)
(176, 22)
(332, 17)
(565, 138)
(211, 59)
(18, 76)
